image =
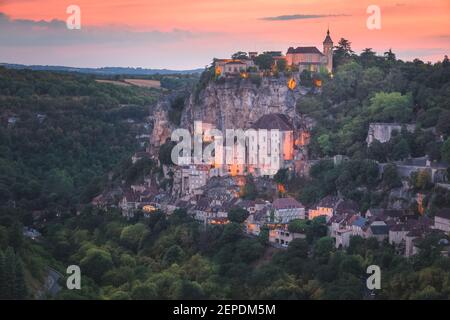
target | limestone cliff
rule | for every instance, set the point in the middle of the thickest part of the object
(238, 103)
(231, 103)
(162, 127)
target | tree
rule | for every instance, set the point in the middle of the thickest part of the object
(16, 236)
(20, 287)
(189, 290)
(144, 292)
(391, 107)
(238, 215)
(96, 263)
(239, 55)
(445, 150)
(249, 190)
(391, 178)
(325, 144)
(282, 176)
(421, 180)
(298, 226)
(298, 248)
(132, 235)
(281, 65)
(173, 255)
(342, 52)
(389, 55)
(324, 246)
(3, 278)
(443, 123)
(165, 153)
(377, 151)
(3, 237)
(264, 61)
(367, 57)
(401, 150)
(12, 276)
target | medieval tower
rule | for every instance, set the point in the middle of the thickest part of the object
(328, 51)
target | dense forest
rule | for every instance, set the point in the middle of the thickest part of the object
(61, 134)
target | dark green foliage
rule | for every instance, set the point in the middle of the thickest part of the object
(264, 61)
(70, 130)
(238, 215)
(369, 88)
(12, 277)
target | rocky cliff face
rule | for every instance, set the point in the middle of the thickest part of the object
(230, 104)
(162, 127)
(238, 103)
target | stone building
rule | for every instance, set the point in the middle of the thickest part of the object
(310, 58)
(382, 132)
(287, 209)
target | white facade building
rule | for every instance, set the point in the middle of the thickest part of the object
(287, 209)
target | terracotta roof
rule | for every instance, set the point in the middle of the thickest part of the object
(274, 121)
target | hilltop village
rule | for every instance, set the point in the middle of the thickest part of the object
(362, 146)
(261, 91)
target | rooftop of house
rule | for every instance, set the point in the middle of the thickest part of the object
(360, 222)
(286, 203)
(304, 50)
(390, 213)
(346, 206)
(273, 121)
(379, 229)
(329, 202)
(246, 204)
(343, 219)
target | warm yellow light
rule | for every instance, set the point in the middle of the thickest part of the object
(149, 208)
(292, 84)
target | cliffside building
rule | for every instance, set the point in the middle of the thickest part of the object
(303, 58)
(311, 58)
(283, 150)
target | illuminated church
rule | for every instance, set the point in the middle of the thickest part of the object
(310, 58)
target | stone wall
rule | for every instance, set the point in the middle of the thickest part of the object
(383, 131)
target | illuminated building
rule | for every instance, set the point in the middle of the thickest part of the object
(310, 58)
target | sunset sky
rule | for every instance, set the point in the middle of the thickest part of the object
(185, 34)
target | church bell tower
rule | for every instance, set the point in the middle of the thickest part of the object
(328, 51)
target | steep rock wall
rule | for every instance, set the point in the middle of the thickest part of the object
(229, 104)
(238, 103)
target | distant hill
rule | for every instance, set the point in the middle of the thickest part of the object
(101, 71)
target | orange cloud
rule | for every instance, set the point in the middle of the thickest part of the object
(408, 26)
